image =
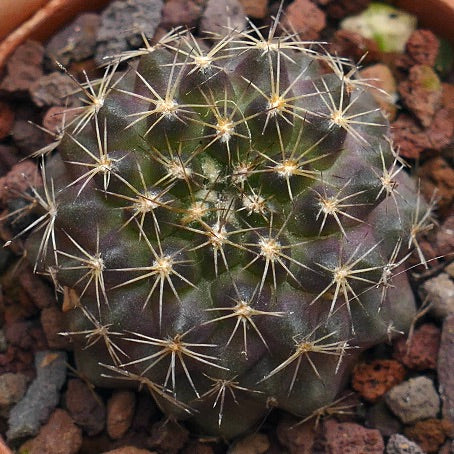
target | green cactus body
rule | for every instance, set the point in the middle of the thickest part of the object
(228, 228)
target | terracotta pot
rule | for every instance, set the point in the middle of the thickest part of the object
(37, 19)
(438, 15)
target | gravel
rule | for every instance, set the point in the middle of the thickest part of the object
(398, 444)
(41, 397)
(132, 17)
(413, 400)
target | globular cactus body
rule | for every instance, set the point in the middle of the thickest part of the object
(228, 228)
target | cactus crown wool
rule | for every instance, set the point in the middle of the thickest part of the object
(227, 226)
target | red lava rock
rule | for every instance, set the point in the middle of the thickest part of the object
(304, 18)
(167, 436)
(12, 389)
(422, 47)
(445, 368)
(6, 119)
(350, 44)
(421, 93)
(444, 237)
(53, 89)
(421, 351)
(182, 12)
(18, 334)
(408, 136)
(17, 180)
(59, 436)
(298, 439)
(255, 8)
(374, 379)
(437, 174)
(17, 360)
(85, 407)
(27, 137)
(350, 438)
(412, 139)
(251, 444)
(38, 290)
(53, 323)
(440, 131)
(23, 67)
(53, 118)
(430, 434)
(120, 411)
(381, 77)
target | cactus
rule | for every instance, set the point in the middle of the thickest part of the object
(228, 227)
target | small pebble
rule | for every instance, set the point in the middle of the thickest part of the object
(182, 12)
(58, 436)
(37, 289)
(255, 8)
(53, 89)
(374, 379)
(75, 42)
(450, 270)
(296, 438)
(120, 411)
(53, 323)
(304, 18)
(23, 67)
(430, 434)
(381, 77)
(347, 43)
(411, 138)
(168, 436)
(445, 368)
(421, 92)
(12, 389)
(398, 444)
(422, 48)
(222, 17)
(436, 175)
(421, 351)
(41, 397)
(27, 137)
(351, 438)
(413, 400)
(251, 444)
(445, 233)
(440, 293)
(122, 23)
(85, 407)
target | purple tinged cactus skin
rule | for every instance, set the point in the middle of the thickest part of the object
(228, 227)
